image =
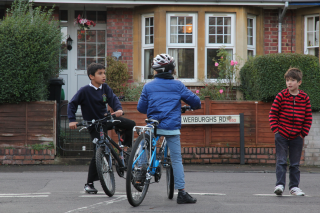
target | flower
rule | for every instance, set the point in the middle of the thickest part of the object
(216, 64)
(232, 63)
(221, 91)
(84, 24)
(235, 62)
(197, 91)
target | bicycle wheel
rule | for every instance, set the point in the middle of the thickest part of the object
(170, 178)
(136, 183)
(105, 172)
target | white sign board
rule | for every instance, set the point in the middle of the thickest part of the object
(210, 119)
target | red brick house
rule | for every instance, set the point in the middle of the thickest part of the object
(191, 31)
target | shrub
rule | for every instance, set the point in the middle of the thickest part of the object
(262, 77)
(133, 92)
(30, 42)
(117, 76)
(215, 92)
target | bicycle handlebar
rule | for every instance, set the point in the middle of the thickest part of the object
(108, 116)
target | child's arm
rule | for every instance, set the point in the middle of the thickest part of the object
(72, 109)
(307, 120)
(143, 102)
(274, 114)
(189, 97)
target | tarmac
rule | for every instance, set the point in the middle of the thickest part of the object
(222, 168)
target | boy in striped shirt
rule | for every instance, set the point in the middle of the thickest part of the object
(290, 119)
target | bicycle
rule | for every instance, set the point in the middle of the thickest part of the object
(105, 151)
(145, 162)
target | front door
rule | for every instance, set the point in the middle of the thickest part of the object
(88, 46)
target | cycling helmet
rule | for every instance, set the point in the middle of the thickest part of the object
(163, 63)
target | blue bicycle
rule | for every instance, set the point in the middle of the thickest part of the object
(149, 152)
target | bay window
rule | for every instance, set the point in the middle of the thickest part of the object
(311, 35)
(147, 45)
(182, 42)
(219, 32)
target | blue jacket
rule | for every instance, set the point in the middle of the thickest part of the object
(161, 100)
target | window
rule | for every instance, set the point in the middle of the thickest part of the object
(220, 32)
(63, 62)
(147, 45)
(90, 47)
(99, 17)
(311, 35)
(251, 36)
(63, 16)
(181, 43)
(2, 13)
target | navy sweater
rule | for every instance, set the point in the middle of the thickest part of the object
(93, 102)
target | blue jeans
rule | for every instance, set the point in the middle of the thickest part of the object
(173, 142)
(294, 147)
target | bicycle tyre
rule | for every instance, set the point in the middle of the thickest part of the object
(106, 176)
(170, 178)
(136, 193)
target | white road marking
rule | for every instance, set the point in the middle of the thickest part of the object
(31, 195)
(86, 208)
(205, 194)
(274, 195)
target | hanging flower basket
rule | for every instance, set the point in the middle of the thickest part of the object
(84, 24)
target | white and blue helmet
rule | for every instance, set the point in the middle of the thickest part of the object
(163, 63)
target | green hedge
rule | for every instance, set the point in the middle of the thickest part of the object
(30, 43)
(262, 77)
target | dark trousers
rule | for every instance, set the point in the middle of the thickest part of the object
(294, 147)
(126, 126)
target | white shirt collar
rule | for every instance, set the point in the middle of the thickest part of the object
(96, 88)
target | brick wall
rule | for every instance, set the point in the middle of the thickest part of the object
(25, 156)
(312, 142)
(222, 155)
(120, 35)
(271, 22)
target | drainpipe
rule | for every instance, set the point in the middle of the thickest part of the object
(281, 15)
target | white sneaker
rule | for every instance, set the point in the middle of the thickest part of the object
(296, 191)
(278, 190)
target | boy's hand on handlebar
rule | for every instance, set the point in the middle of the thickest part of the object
(117, 113)
(73, 125)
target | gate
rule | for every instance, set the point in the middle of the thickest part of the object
(72, 143)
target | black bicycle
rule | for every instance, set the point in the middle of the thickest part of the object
(106, 152)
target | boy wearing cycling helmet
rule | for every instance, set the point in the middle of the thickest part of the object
(93, 99)
(161, 100)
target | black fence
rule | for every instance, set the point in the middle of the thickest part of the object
(72, 143)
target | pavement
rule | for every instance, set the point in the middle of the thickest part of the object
(219, 168)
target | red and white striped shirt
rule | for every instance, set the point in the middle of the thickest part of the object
(291, 115)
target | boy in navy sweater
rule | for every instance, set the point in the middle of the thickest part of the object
(93, 99)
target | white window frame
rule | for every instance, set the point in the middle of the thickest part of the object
(215, 45)
(254, 29)
(306, 47)
(185, 45)
(145, 46)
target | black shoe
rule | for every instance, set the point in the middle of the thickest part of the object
(184, 197)
(89, 188)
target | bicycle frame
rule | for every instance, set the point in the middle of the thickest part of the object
(154, 161)
(106, 141)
